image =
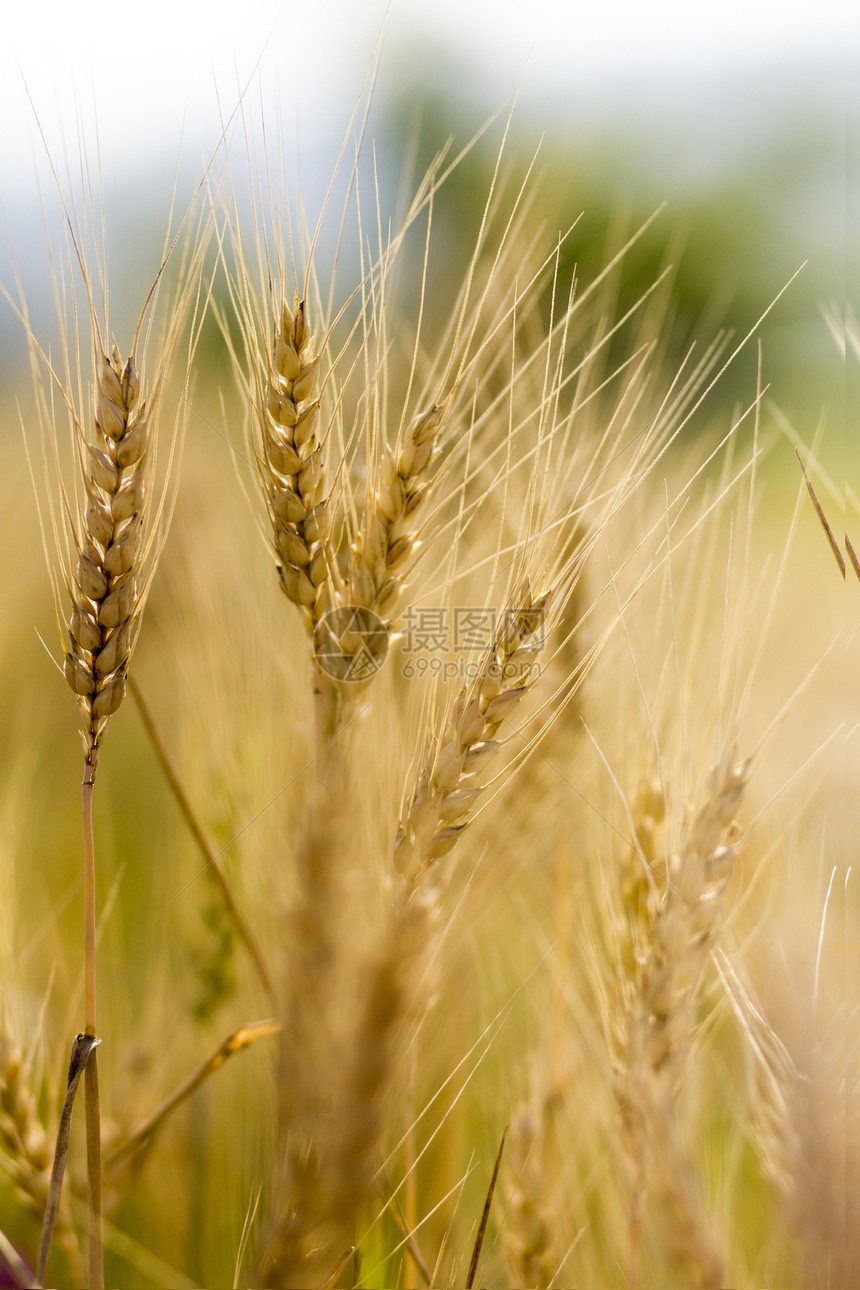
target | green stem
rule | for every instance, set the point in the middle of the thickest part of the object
(91, 1076)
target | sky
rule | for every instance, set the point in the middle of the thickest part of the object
(153, 72)
(688, 86)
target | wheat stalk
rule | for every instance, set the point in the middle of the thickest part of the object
(108, 540)
(106, 589)
(298, 1240)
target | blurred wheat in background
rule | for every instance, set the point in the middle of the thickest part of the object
(473, 848)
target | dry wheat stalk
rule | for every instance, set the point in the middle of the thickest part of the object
(357, 1125)
(331, 1117)
(664, 944)
(449, 781)
(298, 1239)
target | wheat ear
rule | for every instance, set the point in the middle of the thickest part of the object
(106, 588)
(290, 463)
(388, 536)
(527, 1236)
(368, 595)
(665, 945)
(449, 782)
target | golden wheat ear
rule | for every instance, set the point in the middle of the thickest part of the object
(671, 909)
(106, 587)
(450, 779)
(290, 463)
(104, 510)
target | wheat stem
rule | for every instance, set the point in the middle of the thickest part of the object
(91, 1078)
(89, 898)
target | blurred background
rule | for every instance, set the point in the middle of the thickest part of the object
(736, 115)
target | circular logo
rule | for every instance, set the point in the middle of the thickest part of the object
(350, 643)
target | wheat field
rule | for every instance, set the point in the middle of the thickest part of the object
(467, 882)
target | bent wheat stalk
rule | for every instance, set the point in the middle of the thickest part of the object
(26, 1150)
(82, 1050)
(211, 859)
(251, 1033)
